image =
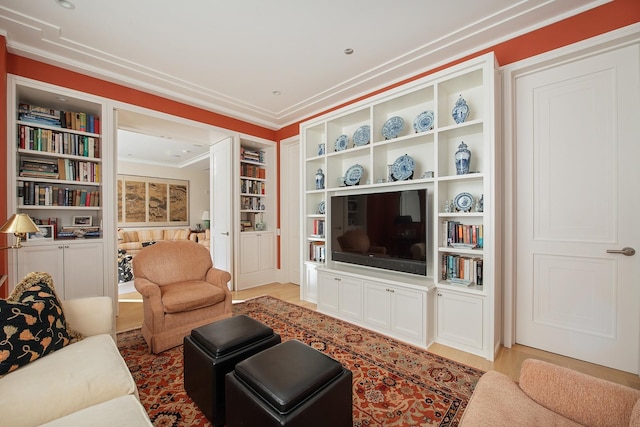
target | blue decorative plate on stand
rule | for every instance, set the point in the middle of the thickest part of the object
(392, 127)
(353, 175)
(321, 207)
(342, 142)
(463, 202)
(423, 122)
(402, 168)
(361, 135)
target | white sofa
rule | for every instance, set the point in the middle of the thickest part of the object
(83, 384)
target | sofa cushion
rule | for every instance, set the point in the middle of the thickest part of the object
(124, 411)
(33, 323)
(177, 234)
(191, 295)
(150, 235)
(78, 376)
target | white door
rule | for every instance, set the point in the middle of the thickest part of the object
(291, 211)
(577, 150)
(221, 205)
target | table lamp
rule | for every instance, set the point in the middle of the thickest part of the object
(19, 224)
(205, 219)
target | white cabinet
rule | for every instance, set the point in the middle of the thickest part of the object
(76, 268)
(340, 295)
(60, 172)
(397, 311)
(309, 285)
(458, 316)
(257, 258)
(461, 249)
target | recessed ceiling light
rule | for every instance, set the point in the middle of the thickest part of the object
(66, 4)
(276, 92)
(348, 51)
(62, 99)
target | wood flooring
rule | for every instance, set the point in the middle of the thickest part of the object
(508, 360)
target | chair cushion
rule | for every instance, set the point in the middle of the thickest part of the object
(288, 373)
(228, 335)
(123, 411)
(33, 323)
(189, 295)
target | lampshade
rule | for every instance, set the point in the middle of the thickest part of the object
(19, 223)
(205, 216)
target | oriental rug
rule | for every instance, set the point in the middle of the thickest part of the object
(394, 384)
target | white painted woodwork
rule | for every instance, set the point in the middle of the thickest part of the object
(457, 325)
(290, 172)
(576, 143)
(221, 206)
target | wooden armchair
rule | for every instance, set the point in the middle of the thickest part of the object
(181, 291)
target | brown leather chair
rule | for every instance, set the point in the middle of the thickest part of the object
(181, 291)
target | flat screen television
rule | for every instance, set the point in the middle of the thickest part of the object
(386, 230)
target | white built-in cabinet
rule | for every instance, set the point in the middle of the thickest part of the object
(257, 208)
(417, 309)
(61, 174)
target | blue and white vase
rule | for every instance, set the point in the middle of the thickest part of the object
(460, 111)
(463, 159)
(319, 180)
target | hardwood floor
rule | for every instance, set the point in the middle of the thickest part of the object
(508, 360)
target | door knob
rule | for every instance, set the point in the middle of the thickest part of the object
(624, 251)
(226, 233)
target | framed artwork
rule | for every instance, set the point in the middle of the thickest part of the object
(45, 232)
(83, 221)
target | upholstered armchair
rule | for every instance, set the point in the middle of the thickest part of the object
(181, 291)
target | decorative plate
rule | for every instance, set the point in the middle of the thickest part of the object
(342, 142)
(392, 127)
(463, 202)
(460, 111)
(361, 135)
(321, 207)
(353, 175)
(423, 122)
(402, 168)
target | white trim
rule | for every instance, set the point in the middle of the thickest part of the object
(510, 73)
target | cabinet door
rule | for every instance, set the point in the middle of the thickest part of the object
(249, 253)
(310, 284)
(408, 314)
(350, 298)
(460, 319)
(267, 259)
(46, 258)
(328, 294)
(83, 273)
(377, 304)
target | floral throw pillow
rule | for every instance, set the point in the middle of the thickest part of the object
(32, 323)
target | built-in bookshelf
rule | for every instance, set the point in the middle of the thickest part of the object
(56, 175)
(427, 123)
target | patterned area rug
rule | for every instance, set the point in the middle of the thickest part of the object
(394, 384)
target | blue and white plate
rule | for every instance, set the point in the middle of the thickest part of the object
(402, 168)
(361, 135)
(342, 142)
(353, 175)
(392, 127)
(423, 122)
(463, 202)
(321, 207)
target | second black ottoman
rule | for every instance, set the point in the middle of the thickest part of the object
(213, 350)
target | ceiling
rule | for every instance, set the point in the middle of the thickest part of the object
(272, 63)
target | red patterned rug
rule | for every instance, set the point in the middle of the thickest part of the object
(394, 384)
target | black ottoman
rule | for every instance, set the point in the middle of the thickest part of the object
(290, 384)
(211, 351)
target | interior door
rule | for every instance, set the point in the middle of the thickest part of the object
(577, 204)
(221, 205)
(291, 211)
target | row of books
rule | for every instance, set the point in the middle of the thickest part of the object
(453, 232)
(252, 187)
(252, 171)
(318, 228)
(62, 169)
(51, 141)
(251, 203)
(35, 194)
(462, 270)
(317, 251)
(252, 155)
(83, 122)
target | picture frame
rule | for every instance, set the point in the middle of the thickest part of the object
(45, 233)
(83, 221)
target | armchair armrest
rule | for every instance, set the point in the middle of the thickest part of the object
(91, 316)
(218, 277)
